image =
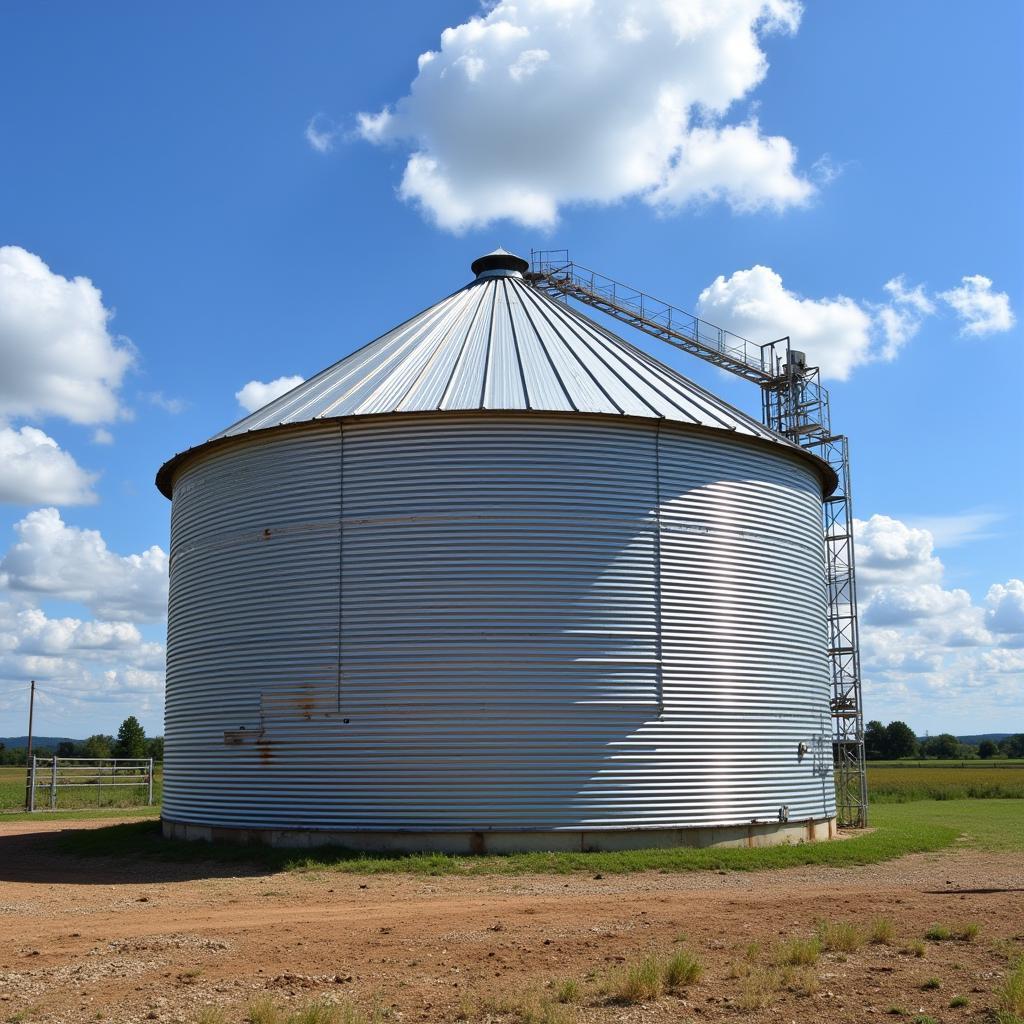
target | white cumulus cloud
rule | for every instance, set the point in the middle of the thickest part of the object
(257, 393)
(76, 662)
(321, 134)
(34, 468)
(1005, 602)
(980, 309)
(838, 333)
(902, 316)
(57, 354)
(925, 645)
(539, 103)
(890, 552)
(52, 559)
(834, 332)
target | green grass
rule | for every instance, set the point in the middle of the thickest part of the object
(92, 814)
(800, 952)
(1011, 993)
(996, 825)
(681, 969)
(900, 829)
(568, 991)
(840, 936)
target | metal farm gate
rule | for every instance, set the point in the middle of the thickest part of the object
(51, 774)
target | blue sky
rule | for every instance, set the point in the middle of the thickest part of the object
(165, 154)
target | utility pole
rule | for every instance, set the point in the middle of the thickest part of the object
(28, 753)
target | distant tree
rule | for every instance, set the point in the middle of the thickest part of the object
(875, 741)
(67, 748)
(1013, 746)
(98, 746)
(900, 740)
(944, 745)
(131, 739)
(987, 749)
(155, 748)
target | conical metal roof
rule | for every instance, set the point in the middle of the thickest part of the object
(499, 344)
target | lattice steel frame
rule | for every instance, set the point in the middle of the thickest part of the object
(794, 403)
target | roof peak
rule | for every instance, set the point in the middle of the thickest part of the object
(500, 263)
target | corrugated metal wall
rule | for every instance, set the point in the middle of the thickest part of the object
(511, 657)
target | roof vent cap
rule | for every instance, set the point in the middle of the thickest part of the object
(500, 263)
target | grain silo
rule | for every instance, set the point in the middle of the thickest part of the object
(497, 580)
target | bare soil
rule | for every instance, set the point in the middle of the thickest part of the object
(102, 939)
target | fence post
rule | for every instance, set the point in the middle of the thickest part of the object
(150, 781)
(53, 785)
(32, 785)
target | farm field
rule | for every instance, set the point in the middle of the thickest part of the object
(897, 781)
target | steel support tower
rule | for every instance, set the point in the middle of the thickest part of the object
(793, 403)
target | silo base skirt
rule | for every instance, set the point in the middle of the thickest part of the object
(567, 840)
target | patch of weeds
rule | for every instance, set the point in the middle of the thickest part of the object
(916, 948)
(1010, 995)
(896, 1011)
(930, 984)
(753, 951)
(738, 969)
(263, 1011)
(533, 1010)
(756, 992)
(797, 952)
(957, 1002)
(190, 977)
(680, 970)
(839, 936)
(924, 1018)
(638, 983)
(568, 991)
(467, 1007)
(212, 1015)
(963, 933)
(883, 932)
(802, 981)
(315, 1013)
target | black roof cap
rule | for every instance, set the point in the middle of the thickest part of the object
(500, 259)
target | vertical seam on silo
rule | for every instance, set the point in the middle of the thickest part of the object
(657, 568)
(341, 547)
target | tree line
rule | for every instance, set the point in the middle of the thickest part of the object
(895, 740)
(131, 741)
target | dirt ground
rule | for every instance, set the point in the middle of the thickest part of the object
(100, 939)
